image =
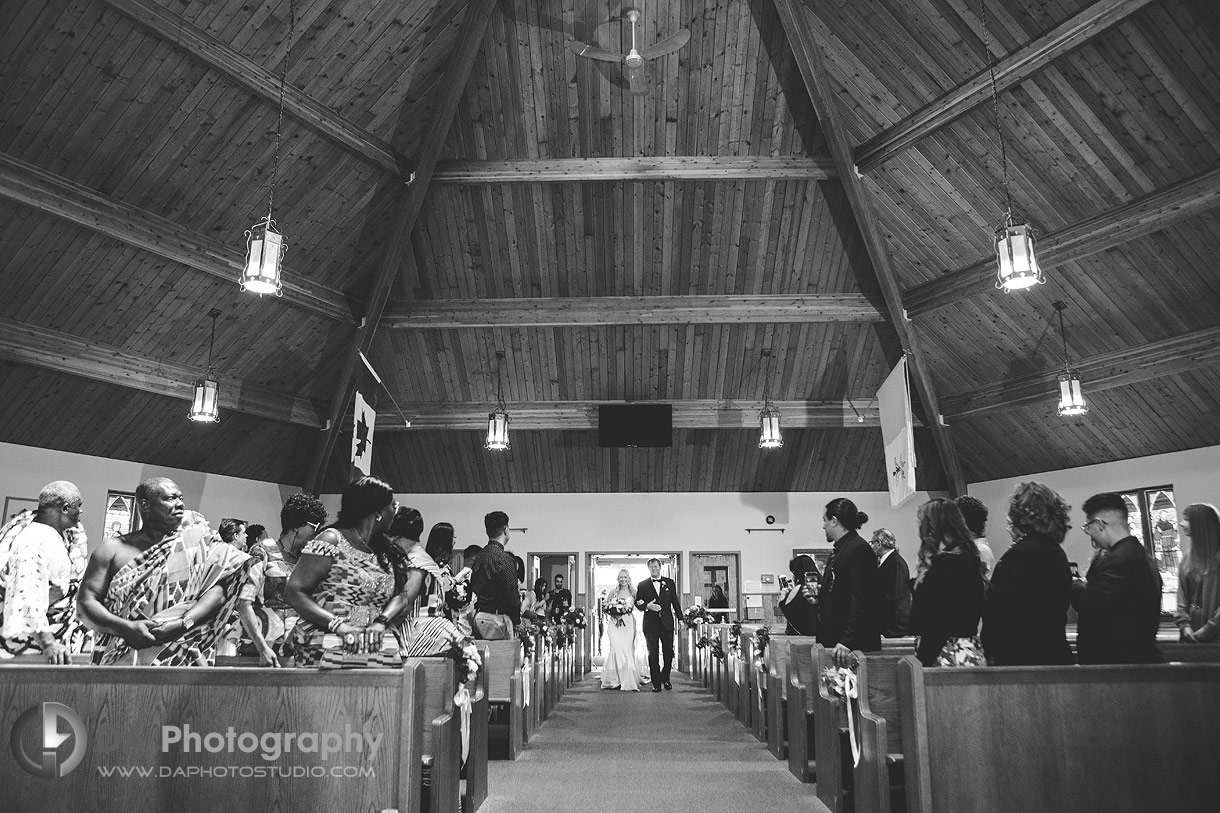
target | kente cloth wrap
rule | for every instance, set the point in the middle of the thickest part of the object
(39, 575)
(178, 570)
(355, 589)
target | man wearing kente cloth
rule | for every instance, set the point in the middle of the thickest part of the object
(161, 595)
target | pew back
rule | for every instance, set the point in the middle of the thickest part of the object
(126, 712)
(1053, 738)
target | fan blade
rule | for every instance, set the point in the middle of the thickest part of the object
(667, 46)
(636, 80)
(592, 52)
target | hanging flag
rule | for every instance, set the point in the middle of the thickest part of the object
(898, 434)
(364, 420)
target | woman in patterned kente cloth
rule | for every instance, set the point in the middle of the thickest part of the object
(345, 579)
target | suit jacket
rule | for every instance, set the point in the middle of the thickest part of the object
(1120, 608)
(670, 609)
(849, 600)
(894, 577)
(1026, 609)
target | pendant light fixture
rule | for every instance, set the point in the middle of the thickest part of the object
(497, 419)
(1071, 396)
(768, 420)
(265, 245)
(1014, 241)
(205, 404)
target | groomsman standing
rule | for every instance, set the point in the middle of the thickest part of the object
(658, 598)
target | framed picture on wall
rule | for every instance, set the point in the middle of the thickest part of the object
(120, 513)
(15, 505)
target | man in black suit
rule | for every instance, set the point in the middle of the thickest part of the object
(895, 579)
(1120, 606)
(658, 598)
(559, 602)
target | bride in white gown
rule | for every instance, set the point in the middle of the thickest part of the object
(621, 670)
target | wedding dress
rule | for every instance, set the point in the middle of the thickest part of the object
(621, 669)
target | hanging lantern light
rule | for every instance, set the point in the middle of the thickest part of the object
(1014, 248)
(768, 420)
(205, 403)
(1071, 395)
(497, 430)
(1014, 241)
(497, 419)
(265, 244)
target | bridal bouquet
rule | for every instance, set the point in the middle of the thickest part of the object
(619, 609)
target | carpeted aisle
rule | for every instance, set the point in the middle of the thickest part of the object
(625, 752)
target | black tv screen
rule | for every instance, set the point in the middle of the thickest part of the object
(623, 425)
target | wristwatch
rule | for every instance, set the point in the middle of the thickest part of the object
(187, 622)
(382, 620)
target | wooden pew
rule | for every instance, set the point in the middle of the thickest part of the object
(803, 681)
(829, 736)
(878, 782)
(123, 711)
(776, 682)
(505, 697)
(1068, 738)
(474, 770)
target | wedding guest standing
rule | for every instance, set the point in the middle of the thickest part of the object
(975, 515)
(849, 600)
(494, 582)
(41, 554)
(1031, 586)
(894, 578)
(799, 603)
(949, 588)
(717, 600)
(1198, 615)
(1120, 605)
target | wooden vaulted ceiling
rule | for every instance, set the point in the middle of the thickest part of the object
(816, 180)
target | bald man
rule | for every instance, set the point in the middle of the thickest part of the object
(161, 595)
(42, 554)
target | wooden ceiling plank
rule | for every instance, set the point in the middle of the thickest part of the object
(58, 196)
(1111, 228)
(65, 353)
(817, 82)
(398, 251)
(1012, 69)
(264, 84)
(1197, 350)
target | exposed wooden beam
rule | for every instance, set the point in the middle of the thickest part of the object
(661, 168)
(1154, 212)
(264, 84)
(573, 311)
(802, 38)
(49, 193)
(65, 353)
(694, 414)
(398, 250)
(1009, 71)
(1178, 354)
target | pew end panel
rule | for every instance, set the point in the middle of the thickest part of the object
(829, 732)
(802, 749)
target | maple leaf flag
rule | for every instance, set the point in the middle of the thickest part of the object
(898, 434)
(364, 420)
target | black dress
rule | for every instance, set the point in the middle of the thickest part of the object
(948, 603)
(802, 616)
(1023, 622)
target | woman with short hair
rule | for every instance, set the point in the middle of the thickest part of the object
(1026, 614)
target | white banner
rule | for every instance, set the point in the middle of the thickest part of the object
(363, 422)
(898, 434)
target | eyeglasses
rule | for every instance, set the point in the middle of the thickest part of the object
(1100, 524)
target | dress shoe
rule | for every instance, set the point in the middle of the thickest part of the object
(656, 688)
(668, 687)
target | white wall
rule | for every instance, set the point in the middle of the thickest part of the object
(24, 470)
(1194, 475)
(662, 522)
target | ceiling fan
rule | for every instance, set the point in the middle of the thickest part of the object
(634, 59)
